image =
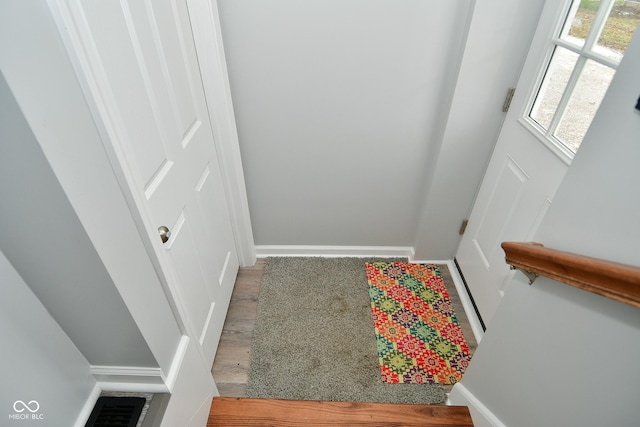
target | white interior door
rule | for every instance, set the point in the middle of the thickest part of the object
(518, 187)
(144, 64)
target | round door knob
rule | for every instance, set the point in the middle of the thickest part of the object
(164, 233)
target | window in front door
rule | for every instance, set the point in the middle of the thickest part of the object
(586, 51)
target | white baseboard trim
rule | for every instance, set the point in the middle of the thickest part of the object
(480, 414)
(140, 379)
(89, 404)
(428, 261)
(129, 378)
(132, 387)
(263, 251)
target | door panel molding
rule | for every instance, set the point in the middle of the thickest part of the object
(503, 199)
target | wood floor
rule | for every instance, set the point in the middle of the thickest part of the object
(226, 412)
(231, 365)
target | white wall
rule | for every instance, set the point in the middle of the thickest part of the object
(39, 362)
(557, 355)
(337, 104)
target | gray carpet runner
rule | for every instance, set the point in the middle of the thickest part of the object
(314, 336)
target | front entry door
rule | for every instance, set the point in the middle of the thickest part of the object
(150, 97)
(517, 189)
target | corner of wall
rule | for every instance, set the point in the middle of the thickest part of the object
(480, 414)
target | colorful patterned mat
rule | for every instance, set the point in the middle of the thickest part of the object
(418, 335)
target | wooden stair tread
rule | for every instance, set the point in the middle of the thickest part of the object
(232, 411)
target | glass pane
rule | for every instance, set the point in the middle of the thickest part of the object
(585, 100)
(618, 30)
(580, 22)
(553, 85)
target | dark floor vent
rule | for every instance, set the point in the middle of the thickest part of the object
(116, 412)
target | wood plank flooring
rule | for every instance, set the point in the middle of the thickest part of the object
(227, 412)
(231, 365)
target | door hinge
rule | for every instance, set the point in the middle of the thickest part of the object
(463, 226)
(507, 100)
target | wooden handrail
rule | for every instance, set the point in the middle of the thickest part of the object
(613, 280)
